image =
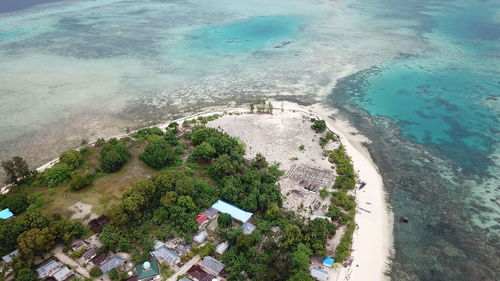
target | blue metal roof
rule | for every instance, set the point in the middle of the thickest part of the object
(5, 214)
(235, 212)
(327, 261)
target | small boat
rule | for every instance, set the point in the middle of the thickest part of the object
(404, 219)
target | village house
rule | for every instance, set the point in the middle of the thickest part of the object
(163, 254)
(198, 274)
(200, 237)
(212, 265)
(248, 228)
(319, 274)
(6, 214)
(64, 273)
(222, 248)
(47, 268)
(112, 263)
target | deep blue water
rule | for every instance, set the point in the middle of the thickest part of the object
(15, 5)
(434, 120)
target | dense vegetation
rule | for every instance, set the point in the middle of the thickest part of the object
(113, 156)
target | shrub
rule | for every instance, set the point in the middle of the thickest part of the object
(114, 156)
(159, 154)
(318, 126)
(95, 272)
(17, 203)
(56, 175)
(204, 152)
(302, 147)
(79, 181)
(25, 274)
(207, 249)
(72, 158)
(224, 220)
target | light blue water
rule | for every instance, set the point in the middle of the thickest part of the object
(245, 35)
(434, 118)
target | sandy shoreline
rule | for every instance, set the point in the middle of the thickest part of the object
(372, 245)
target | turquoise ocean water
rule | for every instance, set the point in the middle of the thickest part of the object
(419, 78)
(434, 120)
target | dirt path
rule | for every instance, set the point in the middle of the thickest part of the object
(60, 255)
(185, 268)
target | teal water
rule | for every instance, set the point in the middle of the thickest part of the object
(420, 78)
(246, 35)
(433, 117)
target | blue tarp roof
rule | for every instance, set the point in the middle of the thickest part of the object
(5, 214)
(327, 261)
(235, 212)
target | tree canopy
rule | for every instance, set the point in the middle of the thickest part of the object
(159, 154)
(113, 156)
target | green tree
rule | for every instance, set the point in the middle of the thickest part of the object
(272, 212)
(95, 272)
(16, 170)
(25, 274)
(174, 126)
(207, 249)
(36, 241)
(113, 156)
(204, 152)
(318, 126)
(292, 235)
(244, 241)
(222, 166)
(56, 175)
(159, 154)
(300, 258)
(301, 275)
(16, 203)
(79, 181)
(252, 107)
(72, 158)
(224, 220)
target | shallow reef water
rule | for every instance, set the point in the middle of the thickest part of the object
(419, 77)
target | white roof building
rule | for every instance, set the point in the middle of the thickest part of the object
(201, 237)
(47, 268)
(222, 247)
(112, 263)
(9, 257)
(62, 274)
(248, 228)
(212, 265)
(319, 274)
(163, 253)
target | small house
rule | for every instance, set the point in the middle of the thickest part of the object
(63, 274)
(148, 270)
(99, 259)
(198, 274)
(222, 248)
(248, 228)
(319, 274)
(183, 249)
(9, 257)
(201, 219)
(200, 237)
(90, 254)
(47, 268)
(185, 279)
(79, 245)
(212, 265)
(112, 263)
(211, 213)
(328, 261)
(163, 254)
(6, 214)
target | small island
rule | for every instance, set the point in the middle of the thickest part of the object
(266, 192)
